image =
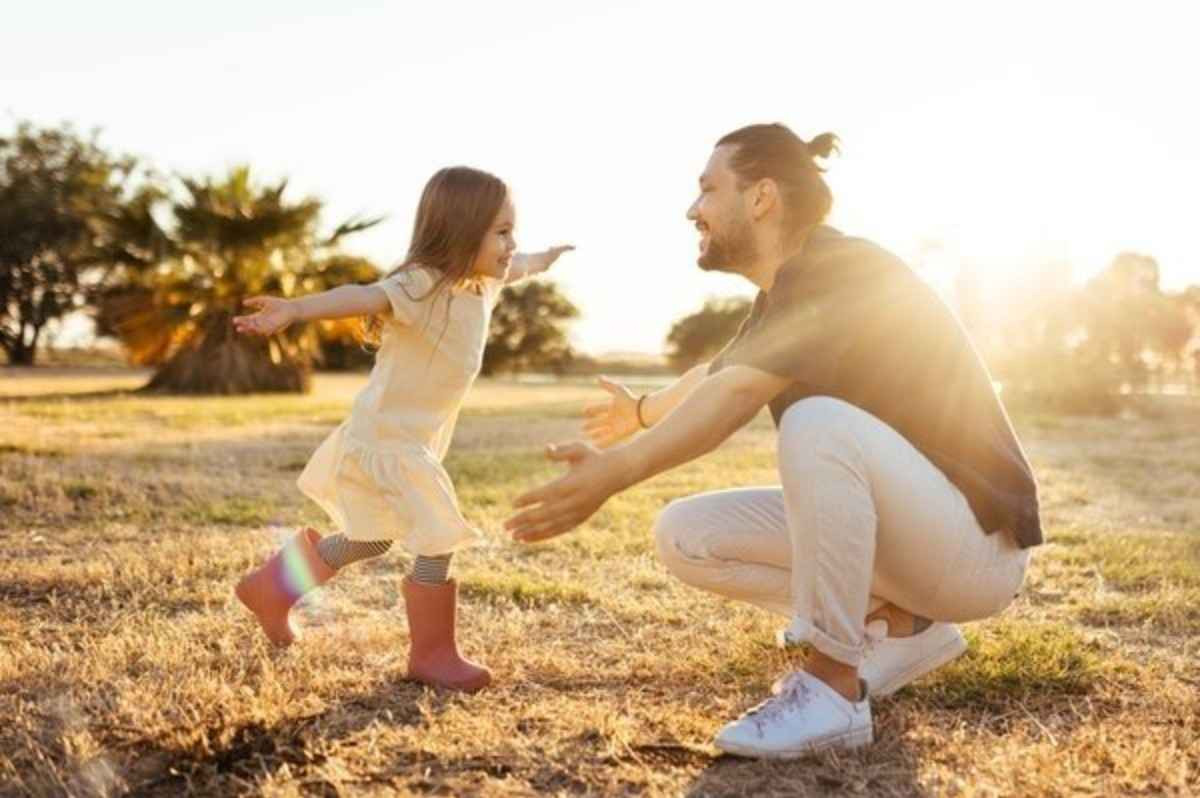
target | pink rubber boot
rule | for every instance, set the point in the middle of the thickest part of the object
(270, 591)
(433, 657)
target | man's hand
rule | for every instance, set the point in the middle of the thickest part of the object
(716, 408)
(614, 419)
(568, 501)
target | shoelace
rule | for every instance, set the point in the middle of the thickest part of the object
(793, 693)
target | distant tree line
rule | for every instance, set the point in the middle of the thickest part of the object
(163, 265)
(1082, 347)
(1049, 342)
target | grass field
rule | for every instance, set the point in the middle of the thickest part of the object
(127, 668)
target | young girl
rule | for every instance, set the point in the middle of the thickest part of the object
(379, 475)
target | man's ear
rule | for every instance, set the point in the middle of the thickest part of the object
(764, 197)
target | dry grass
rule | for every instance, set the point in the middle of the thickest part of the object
(126, 668)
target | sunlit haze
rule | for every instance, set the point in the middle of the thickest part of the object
(991, 138)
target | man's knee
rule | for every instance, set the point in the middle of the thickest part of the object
(818, 415)
(817, 426)
(670, 528)
(676, 524)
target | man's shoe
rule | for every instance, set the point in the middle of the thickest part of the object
(804, 716)
(893, 662)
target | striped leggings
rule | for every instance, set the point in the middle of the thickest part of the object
(338, 551)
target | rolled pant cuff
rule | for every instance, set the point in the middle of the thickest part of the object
(801, 630)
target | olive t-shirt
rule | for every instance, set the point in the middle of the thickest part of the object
(847, 319)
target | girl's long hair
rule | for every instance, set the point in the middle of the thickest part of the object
(456, 211)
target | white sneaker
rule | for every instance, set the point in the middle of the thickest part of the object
(804, 716)
(893, 662)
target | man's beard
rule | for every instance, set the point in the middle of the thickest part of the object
(733, 252)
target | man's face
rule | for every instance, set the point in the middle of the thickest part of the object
(720, 214)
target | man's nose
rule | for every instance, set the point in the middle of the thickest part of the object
(691, 212)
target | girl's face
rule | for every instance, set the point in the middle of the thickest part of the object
(498, 246)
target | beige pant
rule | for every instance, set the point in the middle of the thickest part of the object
(862, 518)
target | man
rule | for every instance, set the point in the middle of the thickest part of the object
(906, 503)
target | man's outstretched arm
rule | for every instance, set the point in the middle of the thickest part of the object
(719, 406)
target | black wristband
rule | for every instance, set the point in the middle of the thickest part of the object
(641, 422)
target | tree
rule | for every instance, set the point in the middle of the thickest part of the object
(57, 192)
(699, 336)
(1078, 348)
(1187, 304)
(1132, 327)
(528, 330)
(172, 294)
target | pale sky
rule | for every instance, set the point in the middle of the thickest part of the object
(1008, 133)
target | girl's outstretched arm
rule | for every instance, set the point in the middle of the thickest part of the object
(274, 314)
(528, 264)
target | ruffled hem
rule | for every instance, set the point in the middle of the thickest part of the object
(399, 493)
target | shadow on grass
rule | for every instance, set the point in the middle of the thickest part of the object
(889, 767)
(1015, 672)
(218, 758)
(66, 602)
(246, 753)
(82, 396)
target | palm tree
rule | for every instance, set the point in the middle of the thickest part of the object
(171, 294)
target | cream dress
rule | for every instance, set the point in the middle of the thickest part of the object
(379, 475)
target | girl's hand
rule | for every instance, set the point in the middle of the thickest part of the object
(274, 315)
(544, 260)
(611, 421)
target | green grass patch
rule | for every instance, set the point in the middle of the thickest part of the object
(1140, 562)
(1170, 611)
(524, 590)
(249, 411)
(486, 471)
(80, 491)
(1013, 660)
(1070, 536)
(534, 411)
(185, 413)
(35, 451)
(231, 511)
